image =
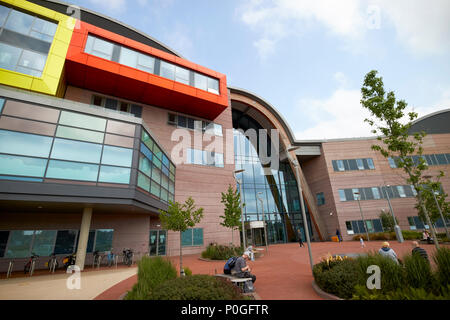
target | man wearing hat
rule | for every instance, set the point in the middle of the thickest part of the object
(388, 252)
(241, 269)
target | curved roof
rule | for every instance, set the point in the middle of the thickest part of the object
(108, 23)
(436, 122)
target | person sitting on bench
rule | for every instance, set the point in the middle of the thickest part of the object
(241, 269)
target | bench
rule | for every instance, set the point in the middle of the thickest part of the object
(239, 282)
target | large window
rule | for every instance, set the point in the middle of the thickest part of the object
(132, 58)
(353, 164)
(192, 237)
(205, 158)
(375, 193)
(117, 105)
(195, 124)
(25, 41)
(358, 227)
(430, 160)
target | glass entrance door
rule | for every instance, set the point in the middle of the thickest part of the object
(157, 243)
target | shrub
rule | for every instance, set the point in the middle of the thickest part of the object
(187, 271)
(151, 272)
(221, 252)
(392, 275)
(442, 260)
(418, 272)
(338, 277)
(408, 293)
(411, 235)
(196, 287)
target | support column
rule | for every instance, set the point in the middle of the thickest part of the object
(83, 237)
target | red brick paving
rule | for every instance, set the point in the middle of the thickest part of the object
(282, 274)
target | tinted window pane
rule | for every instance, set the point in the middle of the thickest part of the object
(143, 182)
(146, 152)
(145, 165)
(186, 238)
(213, 85)
(157, 151)
(148, 141)
(164, 195)
(197, 235)
(45, 27)
(156, 175)
(4, 235)
(340, 165)
(182, 75)
(22, 166)
(352, 164)
(72, 170)
(114, 174)
(19, 22)
(377, 225)
(82, 121)
(103, 241)
(79, 134)
(360, 164)
(99, 47)
(4, 11)
(43, 242)
(146, 63)
(32, 60)
(155, 189)
(19, 244)
(349, 194)
(65, 241)
(90, 244)
(117, 156)
(128, 57)
(24, 144)
(76, 150)
(342, 196)
(370, 163)
(441, 159)
(9, 56)
(200, 81)
(167, 70)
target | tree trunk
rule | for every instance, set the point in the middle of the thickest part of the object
(181, 257)
(427, 217)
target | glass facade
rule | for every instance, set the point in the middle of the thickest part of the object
(131, 58)
(81, 147)
(156, 173)
(278, 190)
(25, 41)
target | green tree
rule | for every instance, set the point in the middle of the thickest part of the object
(232, 212)
(387, 220)
(387, 114)
(430, 187)
(180, 217)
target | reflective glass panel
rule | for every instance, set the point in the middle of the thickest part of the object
(117, 156)
(24, 144)
(200, 81)
(197, 236)
(103, 241)
(4, 235)
(19, 22)
(19, 244)
(145, 165)
(43, 243)
(143, 182)
(72, 170)
(167, 70)
(22, 166)
(114, 174)
(128, 57)
(213, 85)
(155, 189)
(146, 63)
(82, 121)
(182, 75)
(79, 134)
(99, 47)
(4, 11)
(186, 238)
(76, 150)
(9, 56)
(65, 241)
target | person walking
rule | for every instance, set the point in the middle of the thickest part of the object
(300, 240)
(386, 251)
(338, 234)
(361, 241)
(420, 251)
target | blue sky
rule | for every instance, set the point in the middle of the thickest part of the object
(308, 58)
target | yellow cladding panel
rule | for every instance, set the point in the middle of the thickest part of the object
(52, 72)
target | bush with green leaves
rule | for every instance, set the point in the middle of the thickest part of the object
(196, 287)
(337, 277)
(418, 272)
(407, 293)
(442, 260)
(151, 273)
(221, 252)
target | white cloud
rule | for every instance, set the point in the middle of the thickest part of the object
(422, 26)
(338, 116)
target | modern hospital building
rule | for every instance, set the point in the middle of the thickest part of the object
(96, 115)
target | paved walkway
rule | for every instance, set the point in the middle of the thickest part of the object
(283, 273)
(53, 286)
